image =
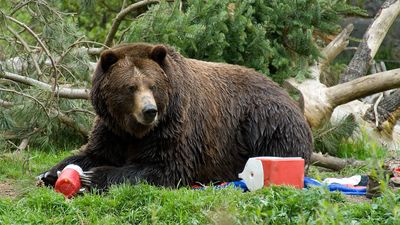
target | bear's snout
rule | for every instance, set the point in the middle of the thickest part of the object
(149, 112)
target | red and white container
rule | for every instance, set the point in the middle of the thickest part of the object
(261, 172)
(69, 181)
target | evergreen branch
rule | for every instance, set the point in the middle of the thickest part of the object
(68, 50)
(61, 92)
(70, 122)
(80, 110)
(92, 51)
(36, 37)
(28, 49)
(20, 6)
(121, 15)
(53, 62)
(28, 96)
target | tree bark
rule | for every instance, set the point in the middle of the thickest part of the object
(372, 39)
(388, 111)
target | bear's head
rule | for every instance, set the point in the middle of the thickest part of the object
(130, 87)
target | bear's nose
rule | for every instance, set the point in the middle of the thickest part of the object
(149, 112)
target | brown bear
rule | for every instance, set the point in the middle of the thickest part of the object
(169, 120)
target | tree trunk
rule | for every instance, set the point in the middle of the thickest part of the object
(372, 39)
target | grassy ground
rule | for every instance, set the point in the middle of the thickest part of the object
(21, 202)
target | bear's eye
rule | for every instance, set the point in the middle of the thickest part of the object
(152, 87)
(132, 88)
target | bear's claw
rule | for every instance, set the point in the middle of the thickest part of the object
(86, 178)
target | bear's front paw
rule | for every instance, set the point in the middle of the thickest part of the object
(48, 178)
(99, 178)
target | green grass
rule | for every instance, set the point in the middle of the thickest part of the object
(145, 204)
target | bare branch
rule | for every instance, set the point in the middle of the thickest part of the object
(59, 91)
(337, 45)
(121, 15)
(364, 86)
(329, 53)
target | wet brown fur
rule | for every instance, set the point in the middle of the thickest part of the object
(212, 118)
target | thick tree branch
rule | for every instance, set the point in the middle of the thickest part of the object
(59, 91)
(333, 163)
(320, 101)
(372, 39)
(121, 15)
(364, 86)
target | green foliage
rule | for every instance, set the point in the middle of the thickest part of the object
(328, 138)
(34, 113)
(145, 204)
(275, 37)
(361, 147)
(339, 140)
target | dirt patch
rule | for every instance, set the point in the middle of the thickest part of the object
(357, 198)
(7, 190)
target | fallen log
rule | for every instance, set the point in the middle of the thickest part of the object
(333, 163)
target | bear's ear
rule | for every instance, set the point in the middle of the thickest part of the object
(108, 58)
(158, 53)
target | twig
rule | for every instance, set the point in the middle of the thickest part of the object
(61, 92)
(376, 109)
(120, 16)
(20, 6)
(80, 110)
